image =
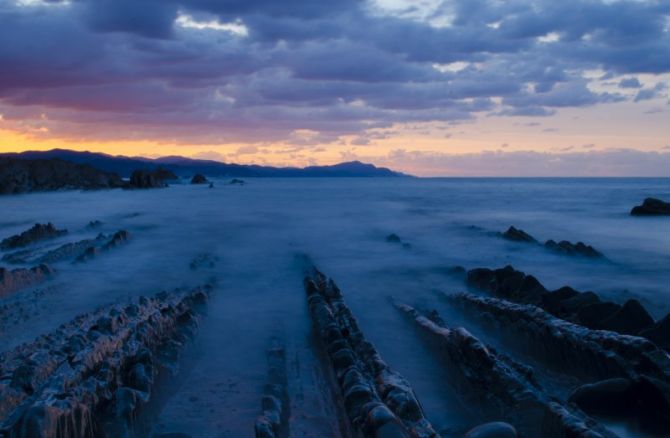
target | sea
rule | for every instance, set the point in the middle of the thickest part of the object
(257, 236)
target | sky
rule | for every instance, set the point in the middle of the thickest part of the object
(428, 87)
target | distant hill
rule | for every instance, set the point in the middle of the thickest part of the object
(187, 167)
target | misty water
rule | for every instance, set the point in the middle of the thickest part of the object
(258, 230)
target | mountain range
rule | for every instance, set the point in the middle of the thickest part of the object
(187, 167)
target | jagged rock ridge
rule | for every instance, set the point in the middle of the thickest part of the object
(101, 365)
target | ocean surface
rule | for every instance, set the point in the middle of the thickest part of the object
(257, 231)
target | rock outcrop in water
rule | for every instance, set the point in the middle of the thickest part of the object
(502, 384)
(24, 175)
(631, 372)
(518, 235)
(35, 234)
(81, 250)
(96, 372)
(584, 308)
(573, 249)
(394, 238)
(273, 422)
(146, 179)
(14, 280)
(378, 401)
(563, 247)
(651, 207)
(199, 178)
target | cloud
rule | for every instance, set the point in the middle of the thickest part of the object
(204, 71)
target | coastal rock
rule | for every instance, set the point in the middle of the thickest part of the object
(630, 319)
(584, 308)
(119, 238)
(501, 384)
(12, 281)
(236, 182)
(659, 332)
(199, 178)
(27, 175)
(497, 429)
(573, 249)
(100, 366)
(393, 238)
(651, 207)
(93, 225)
(377, 400)
(36, 233)
(275, 405)
(165, 174)
(568, 347)
(638, 399)
(145, 179)
(518, 235)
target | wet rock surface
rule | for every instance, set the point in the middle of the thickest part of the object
(377, 400)
(651, 207)
(37, 233)
(16, 279)
(24, 176)
(584, 308)
(500, 384)
(93, 375)
(275, 405)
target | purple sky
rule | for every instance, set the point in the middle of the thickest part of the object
(456, 87)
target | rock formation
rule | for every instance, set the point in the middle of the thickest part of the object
(25, 175)
(97, 371)
(502, 385)
(518, 235)
(378, 401)
(36, 233)
(273, 422)
(632, 374)
(651, 207)
(12, 281)
(563, 247)
(199, 178)
(145, 179)
(584, 308)
(394, 238)
(573, 249)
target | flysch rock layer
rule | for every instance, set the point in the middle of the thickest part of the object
(379, 402)
(275, 405)
(572, 348)
(36, 233)
(98, 370)
(16, 279)
(627, 376)
(498, 382)
(584, 308)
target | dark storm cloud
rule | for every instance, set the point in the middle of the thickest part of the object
(228, 69)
